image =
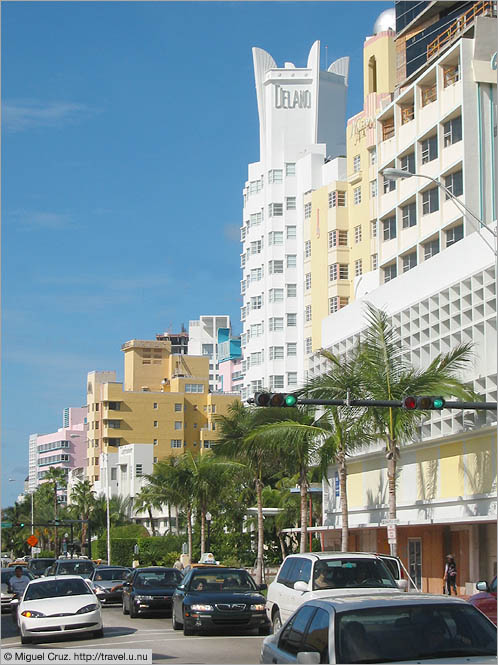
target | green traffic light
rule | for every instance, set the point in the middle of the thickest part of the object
(438, 403)
(290, 400)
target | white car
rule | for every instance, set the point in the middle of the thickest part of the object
(61, 605)
(303, 577)
(385, 628)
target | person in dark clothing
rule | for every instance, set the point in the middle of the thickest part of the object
(450, 573)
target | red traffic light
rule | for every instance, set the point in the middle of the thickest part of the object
(262, 399)
(423, 403)
(410, 403)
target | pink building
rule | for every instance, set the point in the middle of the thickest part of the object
(65, 448)
(230, 375)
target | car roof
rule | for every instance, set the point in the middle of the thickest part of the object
(104, 567)
(365, 601)
(152, 568)
(51, 578)
(318, 556)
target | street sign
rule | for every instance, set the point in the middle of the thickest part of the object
(391, 533)
(337, 484)
(6, 525)
(32, 540)
(387, 521)
(36, 550)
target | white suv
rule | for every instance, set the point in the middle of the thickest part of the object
(316, 575)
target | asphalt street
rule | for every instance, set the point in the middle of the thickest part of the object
(155, 632)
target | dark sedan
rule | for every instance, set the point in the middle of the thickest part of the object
(213, 598)
(149, 589)
(107, 581)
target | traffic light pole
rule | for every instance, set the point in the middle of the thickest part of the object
(478, 406)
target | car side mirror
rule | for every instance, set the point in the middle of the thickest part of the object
(14, 601)
(302, 586)
(308, 656)
(262, 587)
(402, 584)
(482, 586)
(181, 587)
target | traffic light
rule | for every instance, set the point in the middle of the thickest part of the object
(275, 399)
(424, 403)
(20, 524)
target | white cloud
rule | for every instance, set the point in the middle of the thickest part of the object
(19, 116)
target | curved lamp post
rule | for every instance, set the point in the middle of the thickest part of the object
(209, 517)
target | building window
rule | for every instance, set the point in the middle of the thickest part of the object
(307, 313)
(155, 460)
(333, 272)
(156, 424)
(374, 262)
(429, 94)
(409, 261)
(407, 162)
(409, 215)
(113, 424)
(431, 248)
(338, 238)
(336, 303)
(337, 199)
(291, 260)
(373, 189)
(114, 473)
(388, 129)
(290, 168)
(373, 156)
(343, 271)
(255, 247)
(430, 201)
(389, 225)
(451, 74)
(307, 210)
(194, 388)
(356, 163)
(115, 406)
(276, 352)
(429, 149)
(307, 281)
(307, 249)
(407, 113)
(291, 320)
(357, 233)
(357, 195)
(452, 131)
(275, 176)
(176, 443)
(276, 382)
(138, 470)
(255, 219)
(390, 272)
(276, 209)
(389, 185)
(291, 349)
(454, 184)
(290, 202)
(291, 290)
(358, 267)
(275, 323)
(373, 228)
(276, 267)
(276, 295)
(290, 231)
(154, 406)
(454, 234)
(178, 407)
(154, 441)
(292, 378)
(308, 346)
(276, 238)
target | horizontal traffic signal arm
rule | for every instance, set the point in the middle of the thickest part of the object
(52, 524)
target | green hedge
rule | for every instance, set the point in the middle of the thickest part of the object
(158, 550)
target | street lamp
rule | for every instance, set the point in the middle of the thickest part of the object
(209, 517)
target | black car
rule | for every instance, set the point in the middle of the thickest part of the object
(82, 567)
(39, 566)
(149, 589)
(219, 598)
(107, 583)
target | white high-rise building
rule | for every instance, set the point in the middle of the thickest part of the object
(302, 124)
(203, 341)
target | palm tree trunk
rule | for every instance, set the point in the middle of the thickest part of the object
(391, 480)
(152, 523)
(282, 545)
(189, 531)
(261, 533)
(304, 513)
(169, 529)
(177, 513)
(203, 531)
(55, 518)
(344, 503)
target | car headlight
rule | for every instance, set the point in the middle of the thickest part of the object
(99, 588)
(87, 608)
(202, 608)
(257, 608)
(142, 598)
(30, 614)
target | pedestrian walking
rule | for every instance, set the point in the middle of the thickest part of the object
(178, 565)
(450, 573)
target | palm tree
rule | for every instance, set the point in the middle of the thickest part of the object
(146, 500)
(82, 504)
(390, 377)
(236, 443)
(57, 476)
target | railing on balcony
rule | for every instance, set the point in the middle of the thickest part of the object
(429, 94)
(388, 129)
(486, 8)
(407, 114)
(451, 74)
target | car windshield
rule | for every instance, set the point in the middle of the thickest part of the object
(39, 565)
(56, 588)
(352, 573)
(110, 575)
(231, 581)
(75, 568)
(159, 578)
(413, 632)
(7, 574)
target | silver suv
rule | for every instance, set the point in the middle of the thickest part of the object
(316, 575)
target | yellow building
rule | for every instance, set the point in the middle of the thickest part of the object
(342, 235)
(164, 401)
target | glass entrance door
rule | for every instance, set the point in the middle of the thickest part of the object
(415, 560)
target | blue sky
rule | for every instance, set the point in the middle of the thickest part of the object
(127, 128)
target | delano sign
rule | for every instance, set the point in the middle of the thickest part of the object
(292, 99)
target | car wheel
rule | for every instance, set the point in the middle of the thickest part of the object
(276, 622)
(125, 611)
(176, 624)
(133, 613)
(99, 633)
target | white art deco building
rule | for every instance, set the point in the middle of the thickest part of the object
(302, 119)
